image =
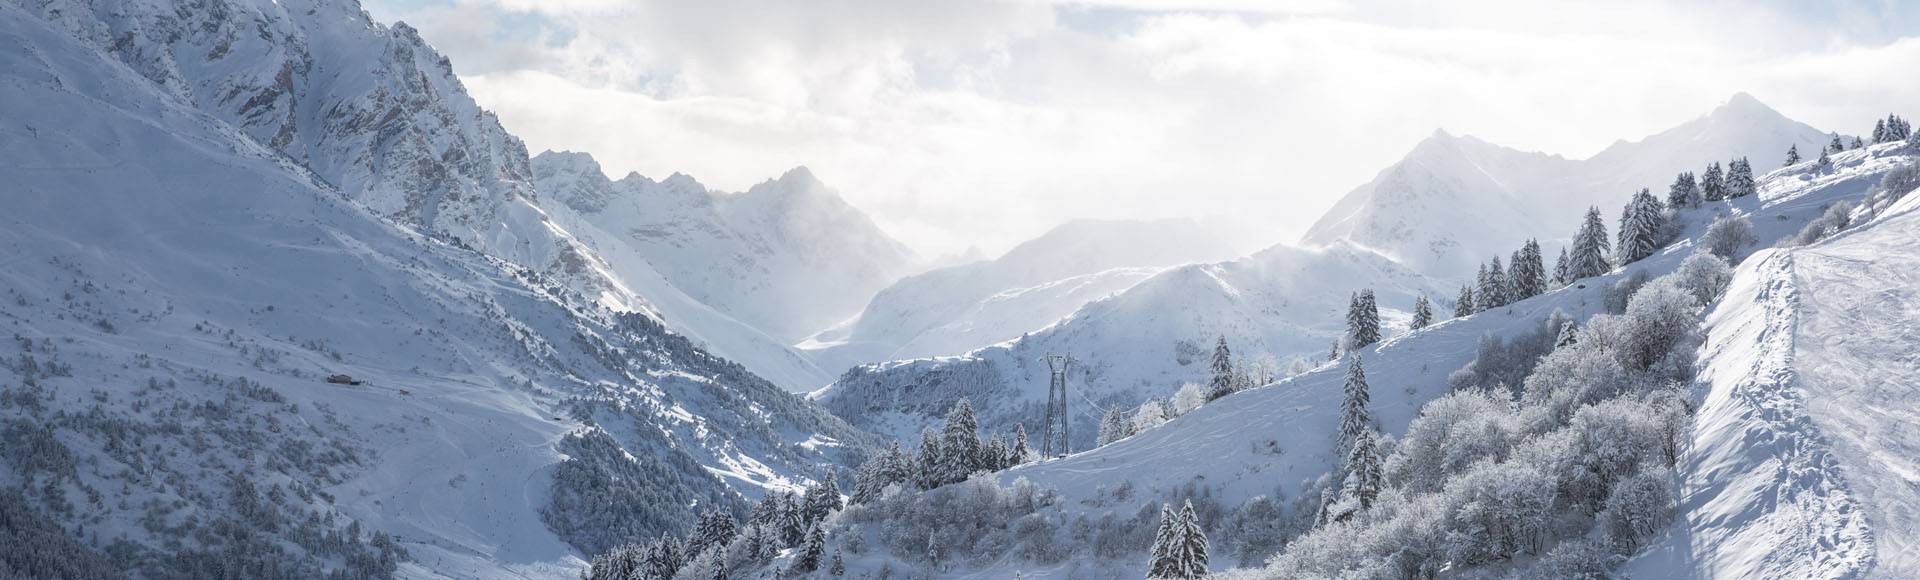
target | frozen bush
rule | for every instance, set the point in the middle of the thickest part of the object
(1727, 235)
(1705, 276)
(1638, 509)
(1837, 217)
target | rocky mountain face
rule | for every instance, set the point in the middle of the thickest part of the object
(788, 256)
(240, 355)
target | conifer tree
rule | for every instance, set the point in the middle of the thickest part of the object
(1836, 146)
(1193, 543)
(1793, 155)
(1857, 144)
(1879, 131)
(1422, 313)
(1492, 292)
(1640, 227)
(1018, 454)
(1160, 560)
(1355, 413)
(812, 549)
(1560, 269)
(1569, 334)
(716, 529)
(1713, 187)
(790, 520)
(1527, 272)
(1740, 178)
(1220, 377)
(931, 459)
(1588, 255)
(1368, 331)
(1114, 426)
(839, 566)
(1365, 476)
(1463, 305)
(1179, 547)
(960, 444)
(1824, 162)
(1684, 192)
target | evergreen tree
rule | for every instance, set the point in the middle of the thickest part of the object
(960, 444)
(1422, 313)
(1793, 155)
(1836, 146)
(1179, 547)
(1879, 131)
(1712, 186)
(1684, 192)
(1492, 292)
(1640, 228)
(1365, 476)
(716, 529)
(1857, 144)
(811, 550)
(1824, 162)
(1363, 320)
(1160, 560)
(931, 459)
(1739, 178)
(1569, 334)
(791, 520)
(1588, 256)
(1193, 543)
(1528, 273)
(1114, 426)
(1560, 272)
(839, 566)
(1019, 452)
(1220, 379)
(1355, 413)
(1463, 305)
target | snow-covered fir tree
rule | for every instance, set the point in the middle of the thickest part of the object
(1527, 274)
(1463, 302)
(1836, 146)
(960, 444)
(1685, 192)
(1879, 131)
(1220, 371)
(1824, 162)
(1422, 313)
(1793, 155)
(1356, 415)
(930, 461)
(1569, 334)
(1018, 454)
(1588, 255)
(1740, 181)
(1857, 143)
(812, 549)
(1492, 290)
(838, 567)
(1114, 426)
(1713, 187)
(1180, 546)
(1642, 223)
(716, 529)
(1363, 319)
(1560, 269)
(1364, 475)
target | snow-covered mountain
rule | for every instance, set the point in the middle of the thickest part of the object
(787, 256)
(1272, 306)
(960, 308)
(1798, 465)
(180, 286)
(1413, 210)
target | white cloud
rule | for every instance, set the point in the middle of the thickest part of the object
(984, 122)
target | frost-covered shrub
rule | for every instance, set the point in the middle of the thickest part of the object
(1452, 433)
(1638, 509)
(1900, 181)
(1504, 364)
(1727, 235)
(1837, 217)
(1621, 291)
(1659, 317)
(1190, 396)
(1578, 559)
(973, 521)
(1704, 275)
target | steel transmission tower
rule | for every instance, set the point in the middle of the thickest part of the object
(1053, 437)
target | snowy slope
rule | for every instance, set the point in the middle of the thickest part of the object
(1802, 463)
(787, 256)
(958, 309)
(1412, 210)
(176, 292)
(1145, 342)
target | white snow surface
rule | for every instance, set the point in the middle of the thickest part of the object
(957, 309)
(147, 239)
(1803, 455)
(1416, 210)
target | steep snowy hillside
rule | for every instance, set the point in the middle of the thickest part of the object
(1412, 210)
(1802, 462)
(178, 294)
(1767, 496)
(957, 309)
(576, 197)
(1272, 306)
(788, 256)
(372, 110)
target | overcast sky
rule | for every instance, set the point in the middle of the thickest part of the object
(964, 123)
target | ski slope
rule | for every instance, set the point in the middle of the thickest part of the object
(1803, 456)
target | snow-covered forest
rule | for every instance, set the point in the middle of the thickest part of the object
(284, 300)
